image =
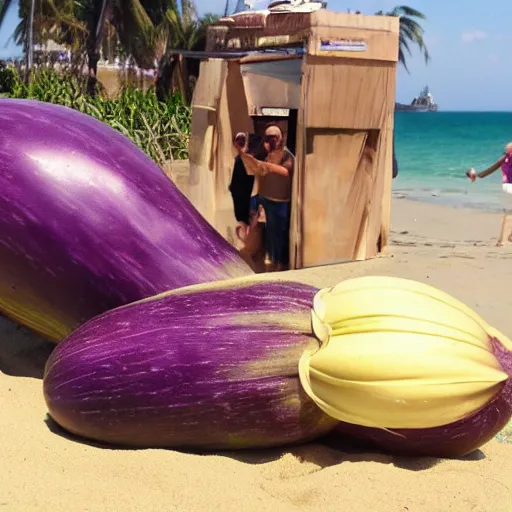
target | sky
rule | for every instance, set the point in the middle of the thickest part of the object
(468, 43)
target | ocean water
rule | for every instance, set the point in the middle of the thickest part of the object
(434, 150)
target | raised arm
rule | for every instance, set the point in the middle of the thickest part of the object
(260, 168)
(495, 166)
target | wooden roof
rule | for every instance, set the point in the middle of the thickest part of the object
(257, 29)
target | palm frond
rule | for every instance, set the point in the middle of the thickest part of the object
(404, 10)
(135, 30)
(411, 32)
(4, 7)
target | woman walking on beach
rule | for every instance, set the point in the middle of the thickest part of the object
(505, 162)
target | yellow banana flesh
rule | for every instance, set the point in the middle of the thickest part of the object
(399, 354)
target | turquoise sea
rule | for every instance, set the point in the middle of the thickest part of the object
(434, 149)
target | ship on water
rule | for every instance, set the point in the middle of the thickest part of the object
(423, 103)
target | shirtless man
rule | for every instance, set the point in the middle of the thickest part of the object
(273, 186)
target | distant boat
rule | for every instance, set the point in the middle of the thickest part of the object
(423, 103)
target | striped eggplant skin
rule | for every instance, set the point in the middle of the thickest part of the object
(88, 222)
(210, 368)
(454, 440)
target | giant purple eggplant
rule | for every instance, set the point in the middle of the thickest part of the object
(251, 363)
(88, 222)
(207, 369)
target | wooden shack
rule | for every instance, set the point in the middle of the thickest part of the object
(328, 79)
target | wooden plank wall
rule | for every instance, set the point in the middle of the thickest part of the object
(378, 34)
(233, 117)
(219, 110)
(203, 135)
(279, 88)
(345, 137)
(345, 91)
(347, 94)
(387, 186)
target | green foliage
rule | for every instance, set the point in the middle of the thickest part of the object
(411, 32)
(160, 129)
(148, 31)
(8, 78)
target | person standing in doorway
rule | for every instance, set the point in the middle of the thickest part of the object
(273, 185)
(242, 184)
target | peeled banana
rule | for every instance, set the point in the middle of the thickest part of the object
(399, 354)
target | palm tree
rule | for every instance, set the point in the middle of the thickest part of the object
(129, 17)
(42, 20)
(149, 31)
(182, 30)
(30, 44)
(411, 32)
(131, 21)
(4, 7)
(28, 26)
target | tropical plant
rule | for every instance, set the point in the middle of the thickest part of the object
(8, 78)
(182, 31)
(411, 32)
(160, 129)
(148, 31)
(53, 19)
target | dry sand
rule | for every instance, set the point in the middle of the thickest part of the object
(42, 470)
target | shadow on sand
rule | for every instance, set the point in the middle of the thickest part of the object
(323, 453)
(22, 352)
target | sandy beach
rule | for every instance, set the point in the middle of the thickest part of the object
(44, 470)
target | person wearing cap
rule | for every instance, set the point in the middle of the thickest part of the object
(273, 186)
(505, 163)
